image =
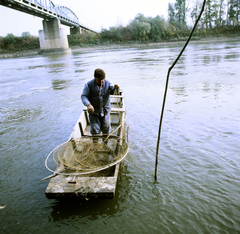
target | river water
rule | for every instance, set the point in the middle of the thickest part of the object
(198, 183)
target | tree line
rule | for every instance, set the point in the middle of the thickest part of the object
(220, 17)
(13, 43)
(216, 13)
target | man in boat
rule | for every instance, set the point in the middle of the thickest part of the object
(96, 96)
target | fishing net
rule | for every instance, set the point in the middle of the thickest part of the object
(88, 154)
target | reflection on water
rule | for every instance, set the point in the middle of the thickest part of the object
(60, 84)
(180, 91)
(198, 176)
(9, 115)
(79, 71)
(232, 56)
(94, 210)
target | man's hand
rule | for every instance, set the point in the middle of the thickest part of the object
(116, 86)
(90, 109)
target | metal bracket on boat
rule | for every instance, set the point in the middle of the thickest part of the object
(73, 180)
(53, 175)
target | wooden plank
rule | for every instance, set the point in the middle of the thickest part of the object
(92, 186)
(116, 96)
(118, 109)
(86, 117)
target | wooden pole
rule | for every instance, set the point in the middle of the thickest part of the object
(166, 87)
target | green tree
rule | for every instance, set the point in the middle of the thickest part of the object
(26, 34)
(114, 34)
(140, 28)
(177, 14)
(1, 42)
(10, 41)
(141, 18)
(157, 32)
(180, 13)
(171, 14)
(195, 11)
(221, 13)
(10, 38)
(210, 14)
(216, 12)
(170, 32)
(233, 12)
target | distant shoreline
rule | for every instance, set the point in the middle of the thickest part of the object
(25, 53)
(137, 45)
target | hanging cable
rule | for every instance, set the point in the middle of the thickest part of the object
(166, 86)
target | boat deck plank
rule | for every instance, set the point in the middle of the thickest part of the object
(88, 185)
(97, 186)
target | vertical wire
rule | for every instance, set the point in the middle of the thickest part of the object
(166, 86)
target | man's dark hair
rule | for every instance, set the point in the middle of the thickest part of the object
(99, 73)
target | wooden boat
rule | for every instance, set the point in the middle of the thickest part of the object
(98, 184)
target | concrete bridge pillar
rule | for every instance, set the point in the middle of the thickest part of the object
(75, 31)
(53, 38)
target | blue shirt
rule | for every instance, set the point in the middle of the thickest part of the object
(99, 98)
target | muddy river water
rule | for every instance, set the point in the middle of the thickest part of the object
(198, 185)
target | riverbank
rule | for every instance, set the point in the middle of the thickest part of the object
(137, 45)
(26, 53)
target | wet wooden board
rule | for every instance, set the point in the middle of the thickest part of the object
(84, 187)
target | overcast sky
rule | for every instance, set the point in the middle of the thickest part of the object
(96, 14)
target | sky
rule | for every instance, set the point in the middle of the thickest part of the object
(96, 14)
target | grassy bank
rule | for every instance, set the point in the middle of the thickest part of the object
(12, 53)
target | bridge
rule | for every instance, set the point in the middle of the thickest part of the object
(52, 38)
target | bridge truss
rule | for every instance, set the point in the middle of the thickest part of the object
(46, 9)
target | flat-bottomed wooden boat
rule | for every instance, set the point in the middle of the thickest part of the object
(97, 184)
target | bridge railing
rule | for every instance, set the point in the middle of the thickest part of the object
(47, 4)
(66, 12)
(46, 9)
(59, 10)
